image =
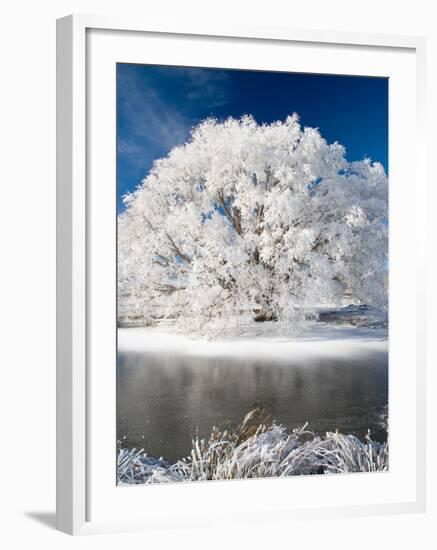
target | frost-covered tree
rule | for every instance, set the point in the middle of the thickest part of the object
(252, 222)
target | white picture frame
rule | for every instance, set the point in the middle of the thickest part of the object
(74, 339)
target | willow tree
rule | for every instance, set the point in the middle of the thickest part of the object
(252, 222)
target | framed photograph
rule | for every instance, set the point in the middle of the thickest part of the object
(240, 329)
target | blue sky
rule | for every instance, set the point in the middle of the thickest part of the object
(158, 105)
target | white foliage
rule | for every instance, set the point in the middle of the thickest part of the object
(249, 220)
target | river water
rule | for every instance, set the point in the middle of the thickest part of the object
(164, 399)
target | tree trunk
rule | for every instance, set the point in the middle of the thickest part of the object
(262, 316)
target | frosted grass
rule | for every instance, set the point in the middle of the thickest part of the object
(257, 449)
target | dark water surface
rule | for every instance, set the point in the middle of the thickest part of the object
(162, 399)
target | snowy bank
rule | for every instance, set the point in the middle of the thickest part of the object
(319, 340)
(256, 450)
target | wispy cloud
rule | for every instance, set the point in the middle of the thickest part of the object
(157, 110)
(146, 118)
(157, 107)
(208, 87)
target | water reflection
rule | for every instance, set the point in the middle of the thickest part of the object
(163, 399)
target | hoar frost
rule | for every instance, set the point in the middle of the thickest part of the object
(256, 449)
(252, 222)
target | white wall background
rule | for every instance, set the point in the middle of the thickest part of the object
(27, 259)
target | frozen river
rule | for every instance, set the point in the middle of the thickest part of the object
(165, 395)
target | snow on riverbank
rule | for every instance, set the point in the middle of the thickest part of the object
(318, 340)
(270, 452)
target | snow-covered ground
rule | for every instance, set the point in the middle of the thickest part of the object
(259, 340)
